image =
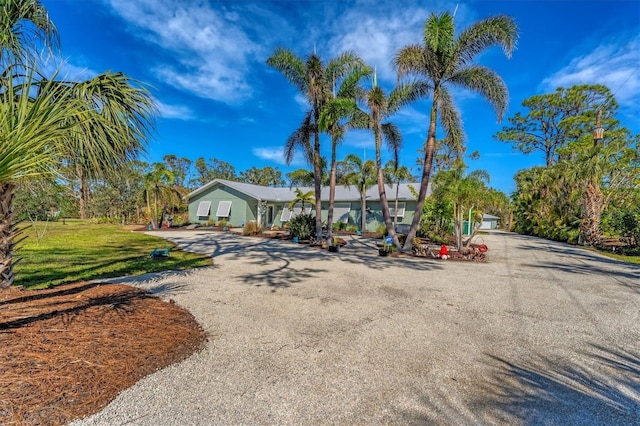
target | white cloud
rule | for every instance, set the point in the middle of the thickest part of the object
(614, 65)
(376, 33)
(276, 155)
(207, 49)
(179, 112)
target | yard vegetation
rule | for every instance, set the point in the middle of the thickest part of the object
(69, 251)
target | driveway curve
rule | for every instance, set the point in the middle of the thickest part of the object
(542, 333)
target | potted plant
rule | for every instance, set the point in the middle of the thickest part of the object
(334, 247)
(386, 247)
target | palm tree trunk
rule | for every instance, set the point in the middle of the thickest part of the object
(426, 174)
(363, 203)
(593, 203)
(395, 216)
(83, 195)
(317, 171)
(332, 191)
(8, 233)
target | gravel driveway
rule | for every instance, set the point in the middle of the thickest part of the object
(543, 333)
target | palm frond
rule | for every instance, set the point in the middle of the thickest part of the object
(406, 93)
(451, 121)
(291, 66)
(32, 128)
(25, 27)
(496, 30)
(342, 65)
(392, 138)
(439, 33)
(487, 83)
(300, 139)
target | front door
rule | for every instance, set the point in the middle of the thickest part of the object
(270, 210)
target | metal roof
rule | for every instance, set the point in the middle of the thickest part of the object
(343, 193)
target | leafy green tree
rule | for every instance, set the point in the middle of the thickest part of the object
(214, 169)
(595, 172)
(179, 166)
(159, 187)
(361, 174)
(315, 81)
(266, 176)
(555, 120)
(443, 60)
(465, 193)
(42, 198)
(300, 177)
(117, 196)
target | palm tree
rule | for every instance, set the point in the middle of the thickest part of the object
(302, 197)
(362, 174)
(396, 175)
(159, 184)
(335, 119)
(111, 96)
(446, 60)
(39, 118)
(464, 193)
(381, 107)
(314, 80)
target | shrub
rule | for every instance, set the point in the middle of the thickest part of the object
(303, 226)
(252, 228)
(381, 230)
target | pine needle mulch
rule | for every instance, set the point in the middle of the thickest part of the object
(67, 352)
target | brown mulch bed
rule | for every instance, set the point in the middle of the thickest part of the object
(67, 352)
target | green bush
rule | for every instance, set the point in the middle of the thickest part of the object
(381, 230)
(303, 226)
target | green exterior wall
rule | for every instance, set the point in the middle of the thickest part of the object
(240, 206)
(244, 209)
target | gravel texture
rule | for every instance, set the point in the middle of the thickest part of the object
(542, 333)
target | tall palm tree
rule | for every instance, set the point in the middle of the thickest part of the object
(443, 60)
(395, 174)
(335, 119)
(315, 81)
(381, 107)
(362, 174)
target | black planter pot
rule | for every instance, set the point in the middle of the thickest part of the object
(334, 249)
(383, 252)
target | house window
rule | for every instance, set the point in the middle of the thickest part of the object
(224, 208)
(203, 208)
(286, 215)
(341, 212)
(392, 210)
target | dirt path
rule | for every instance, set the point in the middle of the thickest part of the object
(542, 333)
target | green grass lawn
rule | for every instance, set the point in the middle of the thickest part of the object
(80, 250)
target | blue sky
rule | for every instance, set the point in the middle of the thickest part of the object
(204, 62)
